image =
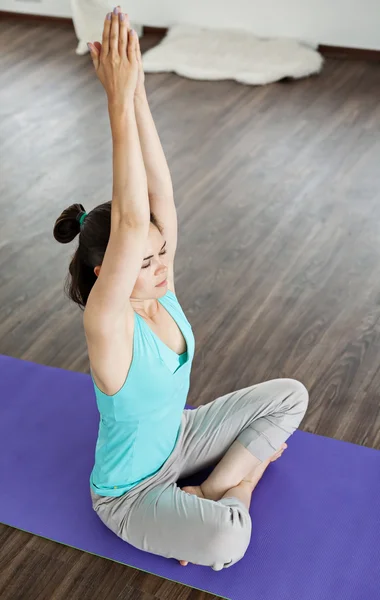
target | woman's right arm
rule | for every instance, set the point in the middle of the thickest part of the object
(130, 212)
(130, 216)
(130, 200)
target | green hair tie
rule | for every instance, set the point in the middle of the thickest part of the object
(82, 218)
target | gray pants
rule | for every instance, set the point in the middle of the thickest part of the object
(158, 517)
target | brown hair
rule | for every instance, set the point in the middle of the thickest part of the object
(94, 234)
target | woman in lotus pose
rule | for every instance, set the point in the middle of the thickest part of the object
(141, 348)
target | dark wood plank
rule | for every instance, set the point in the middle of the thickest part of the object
(277, 190)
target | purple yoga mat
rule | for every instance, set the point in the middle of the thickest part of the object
(315, 513)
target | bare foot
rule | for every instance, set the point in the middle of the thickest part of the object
(195, 490)
(260, 470)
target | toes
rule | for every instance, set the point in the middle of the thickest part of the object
(279, 452)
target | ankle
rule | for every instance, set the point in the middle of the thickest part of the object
(209, 494)
(206, 492)
(248, 482)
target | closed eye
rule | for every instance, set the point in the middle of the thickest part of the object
(148, 265)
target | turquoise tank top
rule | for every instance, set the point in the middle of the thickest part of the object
(139, 425)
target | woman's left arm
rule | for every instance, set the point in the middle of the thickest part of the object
(160, 187)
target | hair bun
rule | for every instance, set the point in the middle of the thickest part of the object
(67, 226)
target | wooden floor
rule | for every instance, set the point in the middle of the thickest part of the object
(278, 263)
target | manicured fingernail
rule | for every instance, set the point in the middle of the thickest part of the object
(109, 17)
(122, 16)
(89, 47)
(132, 32)
(115, 10)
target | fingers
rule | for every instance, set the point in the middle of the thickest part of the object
(123, 34)
(132, 41)
(138, 51)
(106, 35)
(114, 33)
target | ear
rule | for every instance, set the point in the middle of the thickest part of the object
(97, 271)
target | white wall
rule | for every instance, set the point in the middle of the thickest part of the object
(53, 8)
(353, 23)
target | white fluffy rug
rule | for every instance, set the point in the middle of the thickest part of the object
(200, 53)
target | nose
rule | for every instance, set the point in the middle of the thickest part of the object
(161, 267)
(161, 270)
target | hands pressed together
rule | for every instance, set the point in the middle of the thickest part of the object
(117, 60)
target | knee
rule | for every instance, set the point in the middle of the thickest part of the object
(229, 542)
(297, 395)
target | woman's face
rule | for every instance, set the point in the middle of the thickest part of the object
(154, 268)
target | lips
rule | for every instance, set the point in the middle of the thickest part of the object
(163, 281)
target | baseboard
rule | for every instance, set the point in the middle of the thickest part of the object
(156, 30)
(24, 16)
(327, 51)
(349, 53)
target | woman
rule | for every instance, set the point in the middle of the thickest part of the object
(141, 348)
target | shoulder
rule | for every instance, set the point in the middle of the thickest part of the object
(110, 350)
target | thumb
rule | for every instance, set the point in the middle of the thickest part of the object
(94, 55)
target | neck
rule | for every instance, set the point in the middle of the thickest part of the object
(145, 308)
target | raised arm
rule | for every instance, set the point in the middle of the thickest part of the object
(130, 202)
(160, 187)
(117, 68)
